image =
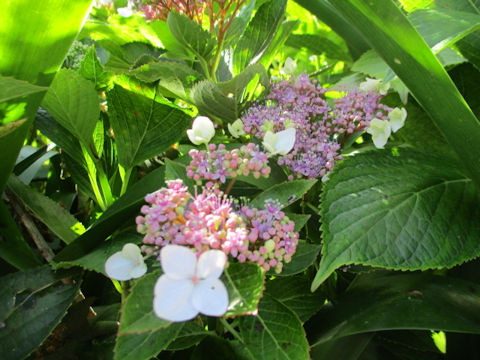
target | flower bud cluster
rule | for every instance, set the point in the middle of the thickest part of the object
(301, 103)
(211, 220)
(217, 163)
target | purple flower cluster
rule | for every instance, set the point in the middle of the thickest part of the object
(301, 103)
(210, 220)
(217, 163)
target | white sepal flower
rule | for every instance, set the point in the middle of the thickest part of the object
(289, 67)
(375, 85)
(397, 118)
(380, 131)
(236, 128)
(281, 142)
(202, 130)
(190, 286)
(126, 264)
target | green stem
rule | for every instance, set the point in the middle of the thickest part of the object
(125, 179)
(230, 185)
(313, 207)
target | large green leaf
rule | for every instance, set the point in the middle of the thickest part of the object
(399, 44)
(318, 45)
(326, 13)
(294, 292)
(383, 301)
(209, 98)
(244, 284)
(91, 69)
(146, 345)
(11, 88)
(275, 333)
(304, 256)
(191, 35)
(123, 210)
(442, 27)
(258, 34)
(137, 312)
(13, 247)
(173, 78)
(33, 48)
(143, 128)
(407, 211)
(55, 217)
(286, 193)
(73, 103)
(33, 303)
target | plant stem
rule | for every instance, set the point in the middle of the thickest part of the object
(231, 330)
(313, 207)
(230, 185)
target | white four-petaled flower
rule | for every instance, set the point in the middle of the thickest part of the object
(397, 118)
(190, 286)
(289, 67)
(380, 131)
(281, 142)
(126, 264)
(374, 85)
(236, 128)
(202, 130)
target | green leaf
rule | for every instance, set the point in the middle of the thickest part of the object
(73, 103)
(284, 31)
(386, 301)
(191, 35)
(286, 193)
(33, 303)
(408, 211)
(318, 45)
(467, 79)
(258, 34)
(143, 128)
(13, 247)
(244, 284)
(91, 69)
(238, 25)
(304, 256)
(173, 78)
(95, 260)
(137, 312)
(345, 348)
(209, 98)
(190, 335)
(146, 345)
(55, 217)
(275, 333)
(403, 49)
(215, 347)
(300, 220)
(441, 28)
(59, 135)
(326, 13)
(123, 210)
(11, 88)
(33, 48)
(294, 292)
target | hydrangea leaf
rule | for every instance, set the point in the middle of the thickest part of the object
(209, 98)
(191, 35)
(286, 193)
(403, 301)
(137, 312)
(29, 314)
(244, 284)
(406, 211)
(73, 103)
(275, 333)
(294, 292)
(190, 335)
(91, 69)
(143, 128)
(304, 256)
(258, 34)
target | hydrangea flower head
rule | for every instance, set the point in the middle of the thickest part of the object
(190, 286)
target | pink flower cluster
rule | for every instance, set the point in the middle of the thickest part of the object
(217, 163)
(301, 103)
(210, 220)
